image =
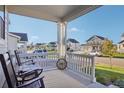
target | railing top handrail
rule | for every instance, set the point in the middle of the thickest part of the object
(82, 55)
(37, 54)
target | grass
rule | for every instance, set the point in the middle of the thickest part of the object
(107, 76)
(120, 55)
(116, 69)
(116, 55)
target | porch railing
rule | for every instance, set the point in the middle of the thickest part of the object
(46, 60)
(82, 64)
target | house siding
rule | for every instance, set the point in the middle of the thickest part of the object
(120, 46)
(3, 47)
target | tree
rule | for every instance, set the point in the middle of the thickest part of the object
(109, 49)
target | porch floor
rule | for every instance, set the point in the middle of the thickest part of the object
(61, 79)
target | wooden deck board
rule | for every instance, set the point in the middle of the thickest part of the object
(59, 79)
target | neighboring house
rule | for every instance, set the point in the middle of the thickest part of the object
(86, 48)
(40, 46)
(30, 46)
(37, 46)
(120, 47)
(12, 42)
(52, 45)
(22, 44)
(93, 44)
(73, 45)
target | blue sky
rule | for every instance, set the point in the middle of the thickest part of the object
(107, 21)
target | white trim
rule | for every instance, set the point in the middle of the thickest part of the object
(10, 34)
(23, 41)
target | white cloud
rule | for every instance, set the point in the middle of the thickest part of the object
(74, 29)
(34, 37)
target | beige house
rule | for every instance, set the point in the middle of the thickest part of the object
(121, 44)
(93, 44)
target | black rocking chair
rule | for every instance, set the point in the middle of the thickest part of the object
(12, 79)
(27, 65)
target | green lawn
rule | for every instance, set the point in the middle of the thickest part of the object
(106, 75)
(121, 55)
(116, 55)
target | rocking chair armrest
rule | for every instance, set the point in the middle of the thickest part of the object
(30, 72)
(31, 82)
(36, 72)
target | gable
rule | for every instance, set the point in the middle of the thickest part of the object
(95, 38)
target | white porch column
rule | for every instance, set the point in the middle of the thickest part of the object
(61, 37)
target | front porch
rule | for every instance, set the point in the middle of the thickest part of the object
(80, 71)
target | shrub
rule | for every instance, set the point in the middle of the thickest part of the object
(119, 83)
(105, 79)
(114, 78)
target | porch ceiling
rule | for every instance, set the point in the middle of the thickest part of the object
(53, 13)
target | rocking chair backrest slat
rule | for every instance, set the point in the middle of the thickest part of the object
(8, 70)
(12, 66)
(17, 58)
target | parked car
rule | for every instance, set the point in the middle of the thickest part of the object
(95, 53)
(40, 51)
(44, 51)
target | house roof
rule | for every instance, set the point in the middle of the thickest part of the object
(121, 42)
(72, 40)
(102, 38)
(23, 36)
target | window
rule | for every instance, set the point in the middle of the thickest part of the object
(2, 13)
